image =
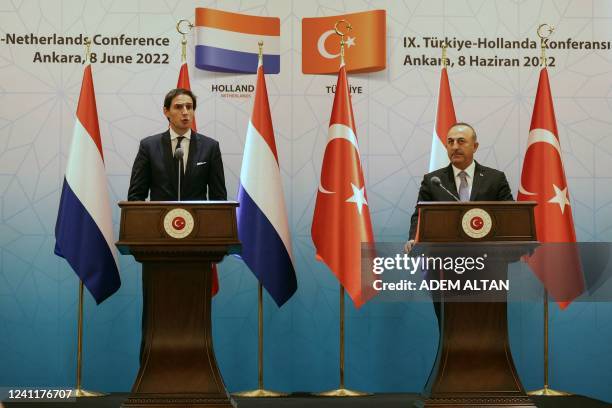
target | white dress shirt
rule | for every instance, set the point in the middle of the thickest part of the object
(184, 145)
(470, 176)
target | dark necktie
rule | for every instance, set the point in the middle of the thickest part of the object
(178, 144)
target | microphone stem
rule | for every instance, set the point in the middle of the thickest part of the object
(436, 181)
(449, 192)
(180, 162)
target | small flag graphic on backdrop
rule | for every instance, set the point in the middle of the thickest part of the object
(227, 42)
(365, 43)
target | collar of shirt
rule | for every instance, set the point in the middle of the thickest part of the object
(174, 135)
(184, 144)
(470, 170)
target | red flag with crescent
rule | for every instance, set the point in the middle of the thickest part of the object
(341, 221)
(445, 118)
(366, 43)
(556, 262)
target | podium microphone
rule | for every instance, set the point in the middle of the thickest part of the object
(435, 180)
(178, 155)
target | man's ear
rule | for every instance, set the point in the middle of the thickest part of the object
(476, 146)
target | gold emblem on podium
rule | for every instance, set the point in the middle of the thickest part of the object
(178, 223)
(476, 223)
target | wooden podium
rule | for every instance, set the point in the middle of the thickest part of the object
(474, 365)
(176, 243)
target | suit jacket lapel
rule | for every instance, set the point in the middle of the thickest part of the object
(191, 158)
(449, 182)
(169, 161)
(477, 182)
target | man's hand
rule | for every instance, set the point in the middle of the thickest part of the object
(408, 246)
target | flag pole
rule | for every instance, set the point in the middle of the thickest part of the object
(544, 31)
(546, 390)
(342, 391)
(184, 27)
(260, 392)
(78, 391)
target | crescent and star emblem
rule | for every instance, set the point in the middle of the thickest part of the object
(477, 223)
(321, 44)
(540, 136)
(560, 193)
(338, 131)
(178, 223)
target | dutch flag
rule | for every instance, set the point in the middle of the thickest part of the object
(84, 228)
(262, 217)
(225, 42)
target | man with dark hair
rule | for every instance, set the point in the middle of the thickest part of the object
(176, 92)
(465, 178)
(155, 170)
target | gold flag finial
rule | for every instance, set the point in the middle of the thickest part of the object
(260, 55)
(444, 48)
(183, 33)
(348, 27)
(544, 31)
(87, 49)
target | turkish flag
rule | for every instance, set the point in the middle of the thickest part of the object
(445, 118)
(365, 48)
(556, 262)
(183, 82)
(341, 221)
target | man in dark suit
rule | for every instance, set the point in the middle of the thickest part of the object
(155, 170)
(464, 178)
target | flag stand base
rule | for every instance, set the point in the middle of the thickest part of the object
(78, 391)
(548, 392)
(259, 393)
(342, 392)
(81, 393)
